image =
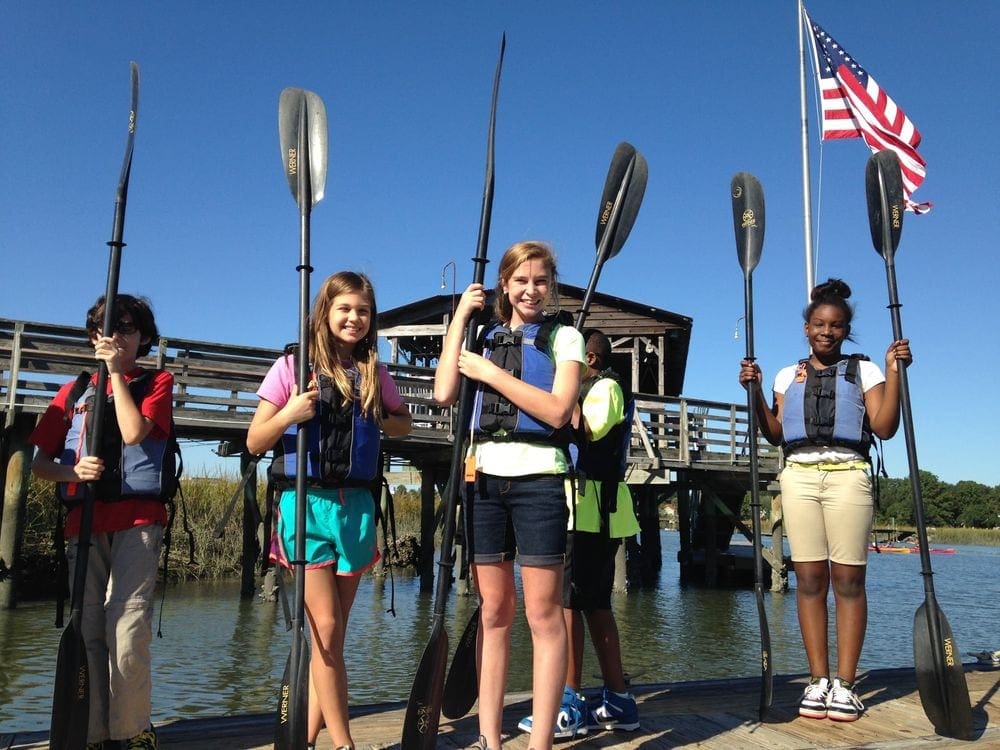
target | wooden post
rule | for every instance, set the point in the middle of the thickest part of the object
(250, 549)
(17, 458)
(779, 575)
(427, 529)
(684, 526)
(707, 518)
(649, 535)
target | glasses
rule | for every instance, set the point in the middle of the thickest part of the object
(125, 327)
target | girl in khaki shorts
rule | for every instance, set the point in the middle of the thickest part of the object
(826, 409)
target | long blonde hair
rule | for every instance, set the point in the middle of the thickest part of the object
(365, 355)
(515, 255)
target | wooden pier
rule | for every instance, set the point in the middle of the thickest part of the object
(710, 714)
(691, 450)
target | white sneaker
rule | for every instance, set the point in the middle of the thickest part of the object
(815, 698)
(844, 704)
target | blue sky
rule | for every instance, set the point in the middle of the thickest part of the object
(703, 89)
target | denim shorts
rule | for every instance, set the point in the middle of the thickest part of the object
(522, 515)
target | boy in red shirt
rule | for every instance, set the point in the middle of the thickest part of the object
(127, 473)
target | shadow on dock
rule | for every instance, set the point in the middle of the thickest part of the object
(713, 714)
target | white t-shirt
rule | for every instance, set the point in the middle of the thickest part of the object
(521, 459)
(870, 376)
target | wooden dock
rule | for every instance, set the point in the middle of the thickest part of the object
(705, 714)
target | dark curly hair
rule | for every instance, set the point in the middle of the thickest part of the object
(141, 311)
(831, 292)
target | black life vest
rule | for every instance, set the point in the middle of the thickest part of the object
(604, 460)
(826, 408)
(148, 469)
(524, 353)
(343, 442)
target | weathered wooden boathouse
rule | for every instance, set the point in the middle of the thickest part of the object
(693, 450)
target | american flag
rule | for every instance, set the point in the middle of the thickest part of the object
(855, 106)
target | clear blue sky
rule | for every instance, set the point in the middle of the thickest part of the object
(703, 89)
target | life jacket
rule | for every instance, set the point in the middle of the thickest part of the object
(826, 408)
(343, 442)
(524, 353)
(148, 469)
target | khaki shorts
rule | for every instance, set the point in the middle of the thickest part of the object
(827, 514)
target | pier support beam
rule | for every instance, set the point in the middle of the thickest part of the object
(251, 521)
(427, 529)
(17, 474)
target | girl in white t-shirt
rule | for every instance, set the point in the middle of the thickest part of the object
(519, 503)
(825, 410)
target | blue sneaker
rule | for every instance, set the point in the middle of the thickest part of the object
(571, 721)
(617, 711)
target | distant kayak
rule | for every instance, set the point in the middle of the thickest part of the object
(910, 549)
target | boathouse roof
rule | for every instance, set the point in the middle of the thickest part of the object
(649, 344)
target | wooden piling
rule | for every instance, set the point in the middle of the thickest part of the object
(17, 474)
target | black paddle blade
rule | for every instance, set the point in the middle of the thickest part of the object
(71, 695)
(884, 190)
(766, 667)
(291, 728)
(944, 693)
(748, 219)
(133, 117)
(423, 710)
(624, 189)
(461, 688)
(302, 120)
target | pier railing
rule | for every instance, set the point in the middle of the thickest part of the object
(216, 384)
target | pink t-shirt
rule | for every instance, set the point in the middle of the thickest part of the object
(278, 382)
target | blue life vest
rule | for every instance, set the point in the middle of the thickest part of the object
(524, 353)
(826, 408)
(343, 443)
(147, 470)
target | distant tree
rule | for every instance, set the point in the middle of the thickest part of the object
(977, 504)
(896, 501)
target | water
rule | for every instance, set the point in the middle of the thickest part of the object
(223, 656)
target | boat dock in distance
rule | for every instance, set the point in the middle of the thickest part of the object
(712, 714)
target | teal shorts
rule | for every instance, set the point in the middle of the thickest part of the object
(340, 530)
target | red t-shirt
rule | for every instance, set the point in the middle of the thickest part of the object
(49, 436)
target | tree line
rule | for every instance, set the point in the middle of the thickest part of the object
(967, 503)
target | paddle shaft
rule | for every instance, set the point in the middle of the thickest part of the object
(906, 416)
(296, 712)
(758, 554)
(63, 714)
(420, 724)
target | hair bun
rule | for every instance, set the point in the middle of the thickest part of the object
(831, 288)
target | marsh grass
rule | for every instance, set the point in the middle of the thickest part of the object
(200, 506)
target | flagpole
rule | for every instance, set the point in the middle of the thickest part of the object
(806, 181)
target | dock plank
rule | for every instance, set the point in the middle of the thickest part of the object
(710, 714)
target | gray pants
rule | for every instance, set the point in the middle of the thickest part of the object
(117, 625)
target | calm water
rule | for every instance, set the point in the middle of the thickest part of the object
(220, 655)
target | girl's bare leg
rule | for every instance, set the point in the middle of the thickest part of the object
(543, 608)
(495, 583)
